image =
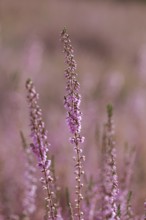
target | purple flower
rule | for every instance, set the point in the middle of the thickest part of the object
(72, 102)
(40, 147)
(72, 99)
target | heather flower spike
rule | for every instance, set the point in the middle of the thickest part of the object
(72, 102)
(110, 188)
(29, 195)
(40, 147)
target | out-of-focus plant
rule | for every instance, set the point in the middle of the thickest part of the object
(110, 189)
(30, 187)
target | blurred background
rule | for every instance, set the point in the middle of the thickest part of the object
(109, 39)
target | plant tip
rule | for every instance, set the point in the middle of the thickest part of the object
(64, 31)
(110, 110)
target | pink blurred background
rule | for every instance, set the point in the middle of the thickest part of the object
(109, 39)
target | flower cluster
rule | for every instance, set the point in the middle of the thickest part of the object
(105, 198)
(72, 99)
(72, 104)
(40, 146)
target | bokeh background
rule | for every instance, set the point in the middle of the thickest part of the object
(109, 39)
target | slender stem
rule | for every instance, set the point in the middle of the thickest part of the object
(79, 183)
(78, 179)
(49, 196)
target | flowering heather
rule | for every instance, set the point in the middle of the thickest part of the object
(40, 146)
(101, 195)
(29, 197)
(72, 101)
(110, 188)
(72, 98)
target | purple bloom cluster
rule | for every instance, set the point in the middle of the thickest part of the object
(72, 99)
(74, 116)
(38, 131)
(40, 146)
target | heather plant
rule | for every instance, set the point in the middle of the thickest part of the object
(30, 186)
(110, 189)
(40, 147)
(72, 104)
(103, 199)
(104, 196)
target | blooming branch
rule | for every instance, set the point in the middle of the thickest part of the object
(40, 146)
(72, 102)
